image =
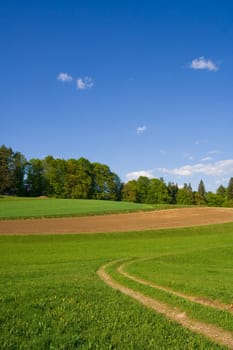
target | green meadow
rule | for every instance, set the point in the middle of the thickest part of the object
(52, 298)
(17, 207)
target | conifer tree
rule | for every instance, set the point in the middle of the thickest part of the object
(200, 195)
(230, 189)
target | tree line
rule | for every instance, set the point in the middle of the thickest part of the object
(156, 191)
(55, 177)
(79, 178)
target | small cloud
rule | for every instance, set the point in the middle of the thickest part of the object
(64, 77)
(202, 63)
(205, 159)
(215, 151)
(163, 152)
(188, 156)
(141, 129)
(200, 142)
(84, 83)
(136, 174)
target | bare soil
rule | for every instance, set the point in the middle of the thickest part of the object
(151, 220)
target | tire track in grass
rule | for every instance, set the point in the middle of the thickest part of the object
(198, 300)
(214, 333)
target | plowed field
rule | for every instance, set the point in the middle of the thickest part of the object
(119, 222)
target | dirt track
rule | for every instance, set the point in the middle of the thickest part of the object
(119, 222)
(212, 332)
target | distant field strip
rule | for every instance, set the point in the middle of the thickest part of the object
(212, 332)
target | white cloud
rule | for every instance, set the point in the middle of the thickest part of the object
(64, 77)
(189, 156)
(220, 168)
(84, 83)
(136, 174)
(215, 151)
(141, 129)
(206, 159)
(199, 142)
(202, 63)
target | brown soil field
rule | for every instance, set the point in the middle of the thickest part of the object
(151, 220)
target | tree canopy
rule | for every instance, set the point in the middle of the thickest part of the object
(79, 178)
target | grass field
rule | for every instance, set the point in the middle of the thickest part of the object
(16, 207)
(52, 298)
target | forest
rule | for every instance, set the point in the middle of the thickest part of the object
(80, 178)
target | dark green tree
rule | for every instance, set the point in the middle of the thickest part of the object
(12, 171)
(6, 165)
(18, 173)
(230, 189)
(172, 191)
(36, 182)
(201, 189)
(114, 187)
(229, 194)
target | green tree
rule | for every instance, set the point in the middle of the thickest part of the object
(214, 199)
(229, 194)
(114, 187)
(36, 183)
(84, 187)
(79, 179)
(172, 191)
(201, 189)
(158, 192)
(143, 184)
(230, 189)
(55, 172)
(18, 173)
(71, 178)
(12, 171)
(106, 184)
(185, 195)
(129, 191)
(200, 195)
(221, 191)
(6, 161)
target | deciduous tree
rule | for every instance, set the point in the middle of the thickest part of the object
(157, 192)
(36, 183)
(185, 195)
(129, 191)
(106, 184)
(12, 171)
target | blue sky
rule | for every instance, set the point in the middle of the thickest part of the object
(145, 87)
